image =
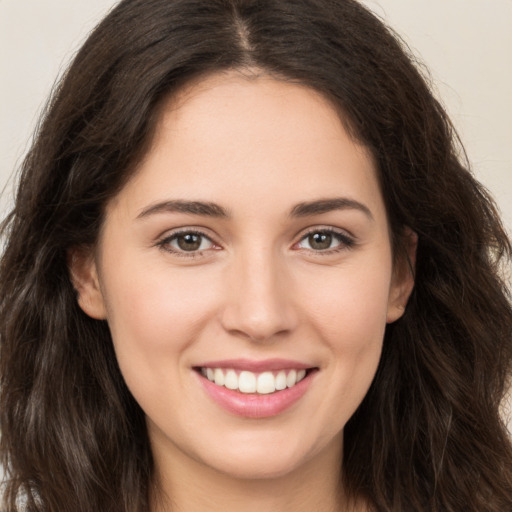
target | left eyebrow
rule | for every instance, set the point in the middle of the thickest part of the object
(320, 206)
(191, 207)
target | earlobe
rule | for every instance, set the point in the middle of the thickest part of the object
(403, 277)
(84, 277)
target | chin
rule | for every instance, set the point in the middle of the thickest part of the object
(258, 460)
(260, 467)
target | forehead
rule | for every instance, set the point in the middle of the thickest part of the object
(242, 141)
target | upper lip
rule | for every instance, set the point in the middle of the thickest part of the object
(257, 366)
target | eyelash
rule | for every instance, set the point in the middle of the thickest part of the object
(164, 244)
(346, 242)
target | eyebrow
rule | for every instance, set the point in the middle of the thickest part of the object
(209, 209)
(328, 205)
(191, 207)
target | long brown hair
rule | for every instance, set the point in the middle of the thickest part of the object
(428, 435)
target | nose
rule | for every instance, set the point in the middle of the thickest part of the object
(259, 302)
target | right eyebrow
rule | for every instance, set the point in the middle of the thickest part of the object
(181, 206)
(321, 206)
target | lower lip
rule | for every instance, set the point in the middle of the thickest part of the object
(252, 405)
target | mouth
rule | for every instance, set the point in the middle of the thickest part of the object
(261, 383)
(255, 389)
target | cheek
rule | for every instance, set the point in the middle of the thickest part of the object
(351, 308)
(155, 305)
(350, 318)
(154, 315)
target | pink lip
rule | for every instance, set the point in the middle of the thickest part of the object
(256, 366)
(252, 405)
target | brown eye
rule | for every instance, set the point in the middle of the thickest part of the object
(189, 242)
(320, 241)
(325, 240)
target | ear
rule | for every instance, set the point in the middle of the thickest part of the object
(402, 282)
(84, 277)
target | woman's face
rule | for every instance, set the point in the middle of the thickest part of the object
(250, 248)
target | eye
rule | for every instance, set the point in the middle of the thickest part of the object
(187, 242)
(325, 240)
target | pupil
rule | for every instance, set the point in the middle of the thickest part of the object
(189, 242)
(320, 240)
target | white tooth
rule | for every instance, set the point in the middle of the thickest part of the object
(203, 372)
(209, 374)
(300, 375)
(219, 377)
(231, 380)
(291, 379)
(281, 381)
(247, 382)
(266, 383)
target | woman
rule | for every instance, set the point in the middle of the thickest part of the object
(246, 269)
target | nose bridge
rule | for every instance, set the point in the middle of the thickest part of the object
(258, 304)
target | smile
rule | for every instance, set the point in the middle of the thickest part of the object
(263, 383)
(256, 389)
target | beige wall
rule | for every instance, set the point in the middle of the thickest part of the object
(467, 44)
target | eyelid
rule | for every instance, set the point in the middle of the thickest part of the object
(347, 240)
(164, 240)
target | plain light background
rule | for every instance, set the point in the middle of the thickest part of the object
(466, 45)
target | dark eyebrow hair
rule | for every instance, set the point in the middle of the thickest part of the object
(327, 205)
(181, 206)
(209, 209)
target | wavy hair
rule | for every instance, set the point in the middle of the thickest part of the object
(428, 435)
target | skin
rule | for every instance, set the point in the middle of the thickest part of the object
(258, 289)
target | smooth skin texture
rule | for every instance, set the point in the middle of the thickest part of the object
(250, 280)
